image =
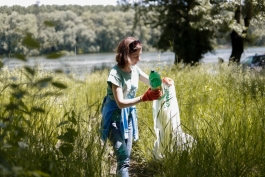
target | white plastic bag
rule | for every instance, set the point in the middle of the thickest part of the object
(167, 124)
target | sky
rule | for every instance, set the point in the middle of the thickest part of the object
(61, 2)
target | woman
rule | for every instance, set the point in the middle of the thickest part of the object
(119, 119)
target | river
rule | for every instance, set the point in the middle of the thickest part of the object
(81, 64)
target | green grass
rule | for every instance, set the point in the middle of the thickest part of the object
(57, 127)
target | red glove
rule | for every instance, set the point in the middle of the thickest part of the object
(167, 80)
(151, 95)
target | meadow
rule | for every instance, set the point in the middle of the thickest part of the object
(49, 124)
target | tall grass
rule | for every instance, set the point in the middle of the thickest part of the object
(222, 108)
(49, 127)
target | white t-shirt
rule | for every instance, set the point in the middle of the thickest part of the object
(127, 81)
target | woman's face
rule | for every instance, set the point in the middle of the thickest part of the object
(135, 57)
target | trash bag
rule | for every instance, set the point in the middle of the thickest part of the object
(169, 134)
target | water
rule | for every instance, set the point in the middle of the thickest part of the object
(225, 54)
(86, 63)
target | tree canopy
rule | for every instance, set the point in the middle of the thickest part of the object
(86, 29)
(189, 27)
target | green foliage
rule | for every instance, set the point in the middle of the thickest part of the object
(20, 107)
(50, 131)
(177, 33)
(197, 26)
(68, 137)
(30, 42)
(49, 123)
(189, 28)
(54, 55)
(221, 107)
(20, 56)
(49, 23)
(47, 30)
(35, 138)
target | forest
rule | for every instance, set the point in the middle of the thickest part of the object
(86, 29)
(82, 29)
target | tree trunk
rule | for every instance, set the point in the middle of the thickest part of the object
(176, 59)
(237, 47)
(236, 40)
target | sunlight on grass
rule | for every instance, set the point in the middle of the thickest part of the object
(50, 130)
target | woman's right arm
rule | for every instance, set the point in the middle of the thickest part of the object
(121, 102)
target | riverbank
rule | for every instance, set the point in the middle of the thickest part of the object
(82, 64)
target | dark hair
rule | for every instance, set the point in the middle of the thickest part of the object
(126, 46)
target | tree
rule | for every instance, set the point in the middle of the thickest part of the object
(14, 28)
(246, 10)
(190, 25)
(236, 17)
(175, 21)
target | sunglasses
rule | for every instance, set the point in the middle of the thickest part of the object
(133, 44)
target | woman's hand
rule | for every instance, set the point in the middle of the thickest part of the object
(167, 80)
(151, 95)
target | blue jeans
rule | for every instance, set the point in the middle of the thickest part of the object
(122, 148)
